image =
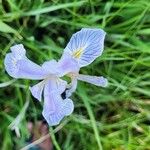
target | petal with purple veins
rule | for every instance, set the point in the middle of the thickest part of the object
(85, 45)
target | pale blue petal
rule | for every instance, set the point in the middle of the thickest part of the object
(99, 81)
(54, 117)
(55, 108)
(18, 65)
(86, 45)
(37, 90)
(66, 65)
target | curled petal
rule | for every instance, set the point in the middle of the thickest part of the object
(99, 81)
(18, 65)
(86, 45)
(55, 108)
(72, 87)
(37, 90)
(60, 85)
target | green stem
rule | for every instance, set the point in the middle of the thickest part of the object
(54, 139)
(85, 99)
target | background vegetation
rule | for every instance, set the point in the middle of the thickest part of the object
(116, 117)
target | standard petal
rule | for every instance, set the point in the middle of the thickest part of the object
(62, 67)
(86, 45)
(37, 90)
(18, 65)
(99, 81)
(55, 108)
(51, 67)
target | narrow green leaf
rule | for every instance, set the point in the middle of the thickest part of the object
(85, 99)
(52, 8)
(6, 28)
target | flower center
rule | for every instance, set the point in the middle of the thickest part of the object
(72, 74)
(78, 52)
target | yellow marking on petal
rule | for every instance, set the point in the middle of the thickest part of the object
(78, 52)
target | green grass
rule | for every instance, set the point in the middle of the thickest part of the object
(116, 117)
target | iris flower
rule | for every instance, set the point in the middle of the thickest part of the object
(83, 48)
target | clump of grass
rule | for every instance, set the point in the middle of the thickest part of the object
(116, 117)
